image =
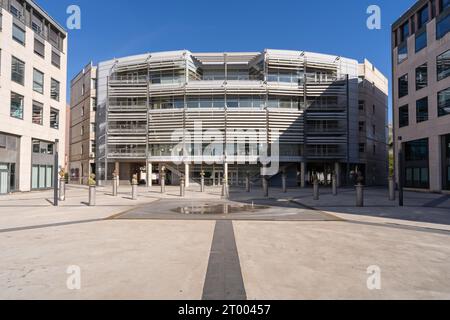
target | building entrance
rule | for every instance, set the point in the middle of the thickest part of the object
(4, 179)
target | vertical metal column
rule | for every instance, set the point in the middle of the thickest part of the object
(347, 173)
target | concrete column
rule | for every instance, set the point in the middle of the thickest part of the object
(186, 175)
(337, 172)
(435, 157)
(247, 182)
(303, 175)
(149, 174)
(225, 173)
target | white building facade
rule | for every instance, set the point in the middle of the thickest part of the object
(305, 103)
(33, 68)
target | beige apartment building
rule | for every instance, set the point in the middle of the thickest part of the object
(33, 64)
(373, 123)
(82, 125)
(421, 95)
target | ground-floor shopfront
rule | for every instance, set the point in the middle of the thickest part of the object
(26, 164)
(427, 163)
(9, 163)
(298, 174)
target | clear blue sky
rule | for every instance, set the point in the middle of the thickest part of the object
(115, 28)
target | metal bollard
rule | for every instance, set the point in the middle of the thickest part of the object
(134, 191)
(316, 190)
(225, 190)
(182, 187)
(284, 182)
(247, 183)
(334, 185)
(115, 184)
(392, 194)
(265, 187)
(62, 189)
(92, 194)
(202, 183)
(360, 195)
(163, 182)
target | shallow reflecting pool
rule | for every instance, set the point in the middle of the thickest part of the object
(219, 209)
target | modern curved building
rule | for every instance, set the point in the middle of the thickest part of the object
(319, 113)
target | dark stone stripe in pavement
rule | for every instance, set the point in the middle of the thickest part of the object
(436, 202)
(224, 279)
(49, 225)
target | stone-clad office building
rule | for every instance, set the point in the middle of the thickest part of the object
(421, 95)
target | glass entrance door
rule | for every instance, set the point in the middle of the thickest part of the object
(4, 179)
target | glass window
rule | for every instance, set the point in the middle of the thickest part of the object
(403, 86)
(54, 118)
(444, 102)
(416, 164)
(56, 59)
(38, 113)
(54, 90)
(421, 76)
(362, 148)
(34, 177)
(442, 26)
(39, 48)
(17, 70)
(403, 116)
(443, 65)
(233, 102)
(421, 40)
(444, 4)
(18, 34)
(192, 102)
(402, 53)
(422, 110)
(38, 81)
(16, 110)
(422, 17)
(404, 31)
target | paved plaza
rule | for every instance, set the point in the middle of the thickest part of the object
(286, 246)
